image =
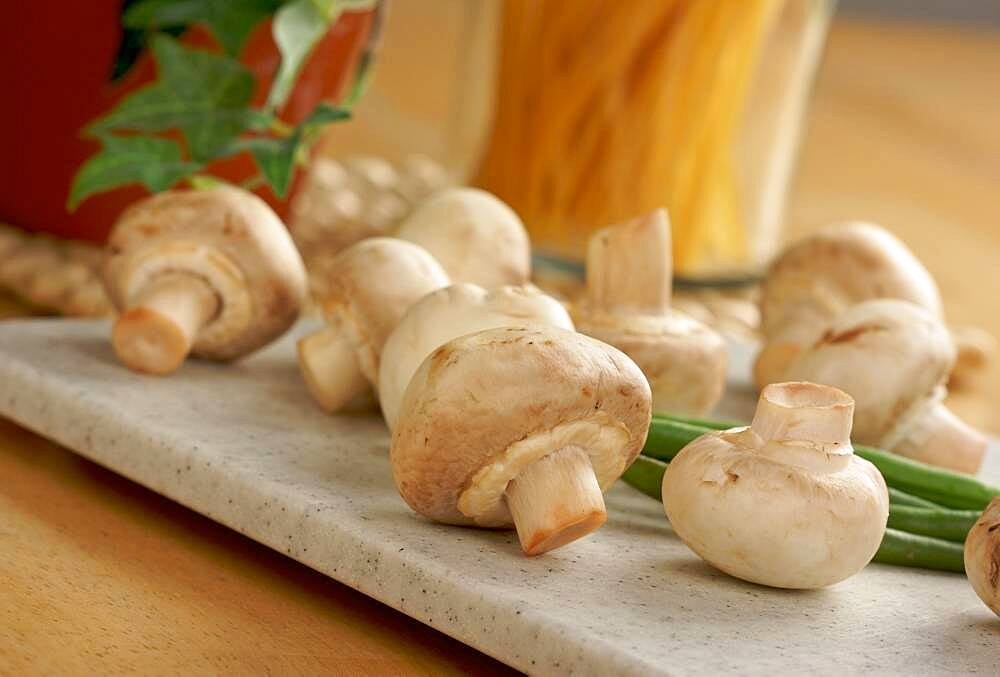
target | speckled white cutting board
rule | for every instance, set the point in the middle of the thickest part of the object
(244, 445)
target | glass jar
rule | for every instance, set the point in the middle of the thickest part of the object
(621, 107)
(586, 118)
(431, 90)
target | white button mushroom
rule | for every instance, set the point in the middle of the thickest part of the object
(10, 240)
(51, 287)
(982, 556)
(784, 502)
(815, 280)
(88, 300)
(474, 235)
(33, 258)
(370, 285)
(627, 304)
(213, 272)
(893, 357)
(522, 425)
(343, 201)
(447, 314)
(326, 212)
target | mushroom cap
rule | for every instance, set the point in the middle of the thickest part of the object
(484, 406)
(891, 356)
(447, 314)
(982, 556)
(226, 236)
(844, 265)
(684, 360)
(474, 235)
(326, 212)
(817, 278)
(771, 522)
(371, 286)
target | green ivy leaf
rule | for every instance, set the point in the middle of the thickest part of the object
(206, 182)
(324, 114)
(276, 157)
(204, 95)
(155, 163)
(231, 21)
(298, 27)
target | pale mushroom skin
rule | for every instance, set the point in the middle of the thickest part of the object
(484, 411)
(894, 357)
(818, 278)
(451, 312)
(475, 236)
(342, 201)
(371, 285)
(982, 556)
(783, 502)
(627, 304)
(212, 272)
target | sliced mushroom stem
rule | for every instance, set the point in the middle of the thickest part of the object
(946, 441)
(810, 424)
(329, 365)
(799, 411)
(629, 265)
(156, 332)
(555, 501)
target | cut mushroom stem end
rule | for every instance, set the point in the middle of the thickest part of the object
(556, 500)
(329, 366)
(806, 417)
(156, 332)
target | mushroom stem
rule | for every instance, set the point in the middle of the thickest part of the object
(804, 411)
(801, 419)
(329, 365)
(944, 440)
(629, 265)
(161, 323)
(556, 500)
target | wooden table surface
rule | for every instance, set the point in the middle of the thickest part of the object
(99, 575)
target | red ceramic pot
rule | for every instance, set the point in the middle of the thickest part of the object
(56, 60)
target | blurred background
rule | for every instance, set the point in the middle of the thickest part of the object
(890, 115)
(930, 10)
(754, 122)
(887, 113)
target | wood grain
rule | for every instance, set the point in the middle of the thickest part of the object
(101, 576)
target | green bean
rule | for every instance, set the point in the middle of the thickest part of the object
(898, 497)
(947, 488)
(699, 422)
(950, 525)
(913, 550)
(666, 438)
(646, 475)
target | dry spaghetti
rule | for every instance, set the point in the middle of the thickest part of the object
(610, 109)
